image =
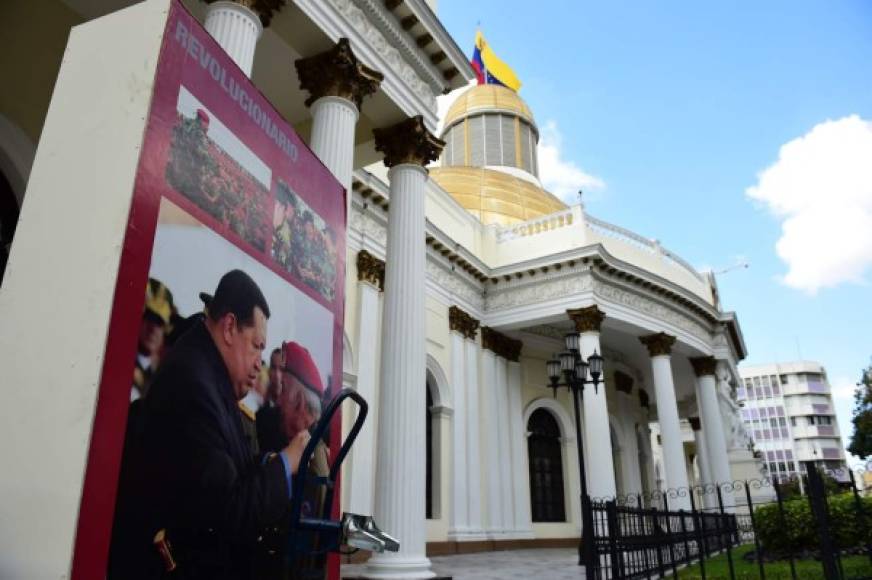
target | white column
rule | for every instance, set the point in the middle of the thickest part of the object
(518, 443)
(659, 346)
(712, 424)
(572, 489)
(362, 459)
(600, 464)
(459, 523)
(504, 443)
(632, 483)
(473, 439)
(237, 29)
(337, 83)
(333, 123)
(491, 449)
(400, 479)
(709, 499)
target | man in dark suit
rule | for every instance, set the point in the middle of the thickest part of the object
(191, 473)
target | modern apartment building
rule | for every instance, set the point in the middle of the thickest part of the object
(788, 410)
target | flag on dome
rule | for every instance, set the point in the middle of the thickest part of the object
(489, 69)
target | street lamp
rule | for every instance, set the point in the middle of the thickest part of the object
(575, 371)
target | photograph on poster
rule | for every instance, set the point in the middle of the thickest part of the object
(303, 244)
(210, 166)
(188, 261)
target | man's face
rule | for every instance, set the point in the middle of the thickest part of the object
(243, 348)
(151, 335)
(295, 414)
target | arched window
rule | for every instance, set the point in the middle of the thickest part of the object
(429, 427)
(546, 468)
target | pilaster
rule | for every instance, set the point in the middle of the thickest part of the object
(362, 461)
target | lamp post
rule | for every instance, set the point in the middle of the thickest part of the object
(575, 370)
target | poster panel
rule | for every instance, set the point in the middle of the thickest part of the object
(231, 213)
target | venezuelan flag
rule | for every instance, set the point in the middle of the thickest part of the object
(489, 69)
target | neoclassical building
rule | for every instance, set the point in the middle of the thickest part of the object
(463, 277)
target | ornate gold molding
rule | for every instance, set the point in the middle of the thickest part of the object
(408, 141)
(337, 73)
(704, 365)
(500, 344)
(370, 269)
(460, 321)
(265, 9)
(588, 319)
(694, 423)
(658, 344)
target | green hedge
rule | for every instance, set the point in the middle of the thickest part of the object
(800, 531)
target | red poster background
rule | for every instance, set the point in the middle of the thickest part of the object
(179, 65)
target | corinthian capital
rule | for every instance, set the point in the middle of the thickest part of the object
(704, 365)
(265, 9)
(370, 269)
(587, 319)
(658, 344)
(461, 322)
(337, 73)
(408, 141)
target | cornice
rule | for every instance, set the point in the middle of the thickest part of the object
(402, 84)
(445, 41)
(403, 42)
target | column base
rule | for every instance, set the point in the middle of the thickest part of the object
(398, 567)
(519, 535)
(467, 535)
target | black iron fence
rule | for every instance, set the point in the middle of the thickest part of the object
(817, 525)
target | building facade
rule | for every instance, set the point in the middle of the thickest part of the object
(788, 410)
(463, 277)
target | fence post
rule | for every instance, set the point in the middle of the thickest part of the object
(783, 522)
(817, 502)
(754, 530)
(658, 534)
(643, 533)
(861, 513)
(684, 535)
(669, 539)
(614, 530)
(729, 542)
(702, 552)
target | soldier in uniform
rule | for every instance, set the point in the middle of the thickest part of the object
(302, 392)
(249, 406)
(193, 488)
(152, 331)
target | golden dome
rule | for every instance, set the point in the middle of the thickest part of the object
(495, 197)
(491, 98)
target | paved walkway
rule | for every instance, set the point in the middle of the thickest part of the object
(548, 564)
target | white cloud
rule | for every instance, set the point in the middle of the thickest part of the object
(561, 177)
(821, 189)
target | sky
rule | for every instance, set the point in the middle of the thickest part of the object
(732, 132)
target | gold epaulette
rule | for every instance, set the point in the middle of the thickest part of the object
(246, 411)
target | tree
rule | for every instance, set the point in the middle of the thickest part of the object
(861, 440)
